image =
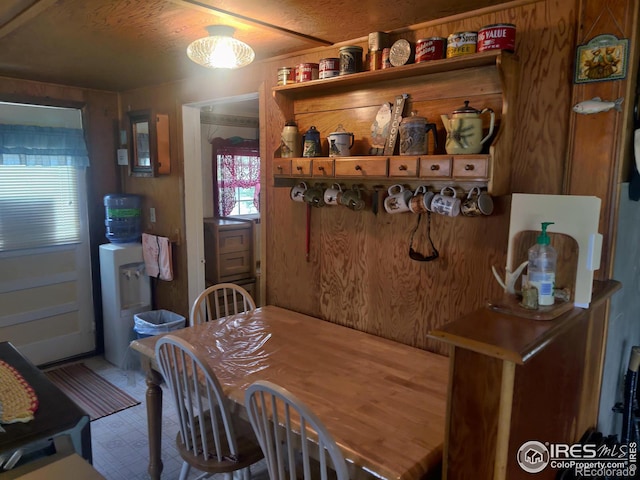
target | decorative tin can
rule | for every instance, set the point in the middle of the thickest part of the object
(499, 36)
(461, 43)
(306, 72)
(285, 76)
(430, 49)
(400, 52)
(386, 63)
(329, 67)
(374, 60)
(350, 59)
(378, 41)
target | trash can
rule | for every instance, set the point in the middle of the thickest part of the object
(154, 322)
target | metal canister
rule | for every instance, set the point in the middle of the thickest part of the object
(430, 49)
(329, 67)
(374, 60)
(400, 52)
(498, 36)
(461, 43)
(378, 41)
(285, 76)
(306, 72)
(350, 59)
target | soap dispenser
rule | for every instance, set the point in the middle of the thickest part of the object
(542, 267)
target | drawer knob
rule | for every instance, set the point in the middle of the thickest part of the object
(279, 167)
(469, 167)
(299, 168)
(435, 167)
(321, 168)
(358, 167)
(402, 167)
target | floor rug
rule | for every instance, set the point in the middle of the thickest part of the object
(90, 391)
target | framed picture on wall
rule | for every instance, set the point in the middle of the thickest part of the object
(603, 58)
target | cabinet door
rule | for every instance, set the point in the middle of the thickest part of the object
(235, 240)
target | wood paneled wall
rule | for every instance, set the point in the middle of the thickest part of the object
(359, 273)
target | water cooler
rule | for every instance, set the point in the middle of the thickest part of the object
(125, 291)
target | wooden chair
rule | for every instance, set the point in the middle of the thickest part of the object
(220, 300)
(209, 438)
(300, 445)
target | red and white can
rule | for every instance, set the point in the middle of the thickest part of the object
(430, 49)
(499, 36)
(306, 72)
(329, 67)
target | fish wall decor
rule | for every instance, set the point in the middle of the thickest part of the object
(597, 105)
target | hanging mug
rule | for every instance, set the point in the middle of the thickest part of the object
(445, 204)
(297, 192)
(477, 203)
(332, 194)
(421, 200)
(314, 196)
(352, 199)
(398, 199)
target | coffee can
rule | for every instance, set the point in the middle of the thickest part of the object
(329, 67)
(500, 36)
(285, 76)
(430, 49)
(306, 72)
(461, 43)
(374, 60)
(350, 59)
(400, 53)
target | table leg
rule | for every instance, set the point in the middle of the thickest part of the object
(154, 421)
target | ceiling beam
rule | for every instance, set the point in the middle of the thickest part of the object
(24, 16)
(203, 6)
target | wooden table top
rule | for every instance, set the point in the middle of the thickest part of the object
(383, 402)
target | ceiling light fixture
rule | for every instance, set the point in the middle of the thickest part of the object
(220, 49)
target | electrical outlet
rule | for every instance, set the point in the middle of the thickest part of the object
(152, 215)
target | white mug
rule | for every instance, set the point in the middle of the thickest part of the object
(398, 199)
(297, 192)
(332, 194)
(444, 204)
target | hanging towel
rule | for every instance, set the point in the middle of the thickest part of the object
(156, 252)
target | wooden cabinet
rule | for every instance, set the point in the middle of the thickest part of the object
(515, 379)
(228, 250)
(486, 79)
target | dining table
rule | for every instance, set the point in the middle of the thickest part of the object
(384, 402)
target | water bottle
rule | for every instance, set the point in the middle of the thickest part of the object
(123, 218)
(542, 267)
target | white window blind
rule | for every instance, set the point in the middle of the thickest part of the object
(38, 206)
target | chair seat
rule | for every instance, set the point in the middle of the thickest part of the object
(248, 448)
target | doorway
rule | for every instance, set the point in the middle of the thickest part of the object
(198, 172)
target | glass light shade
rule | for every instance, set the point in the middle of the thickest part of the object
(220, 49)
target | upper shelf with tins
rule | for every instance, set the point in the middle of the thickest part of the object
(311, 87)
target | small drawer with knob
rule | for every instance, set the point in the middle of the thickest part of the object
(435, 166)
(403, 167)
(301, 167)
(282, 166)
(361, 167)
(471, 166)
(322, 167)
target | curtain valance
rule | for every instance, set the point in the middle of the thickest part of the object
(42, 146)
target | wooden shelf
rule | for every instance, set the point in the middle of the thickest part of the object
(315, 87)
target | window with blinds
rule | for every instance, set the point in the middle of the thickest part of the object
(39, 206)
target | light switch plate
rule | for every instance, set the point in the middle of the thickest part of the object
(123, 156)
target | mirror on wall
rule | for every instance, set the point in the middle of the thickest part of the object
(149, 147)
